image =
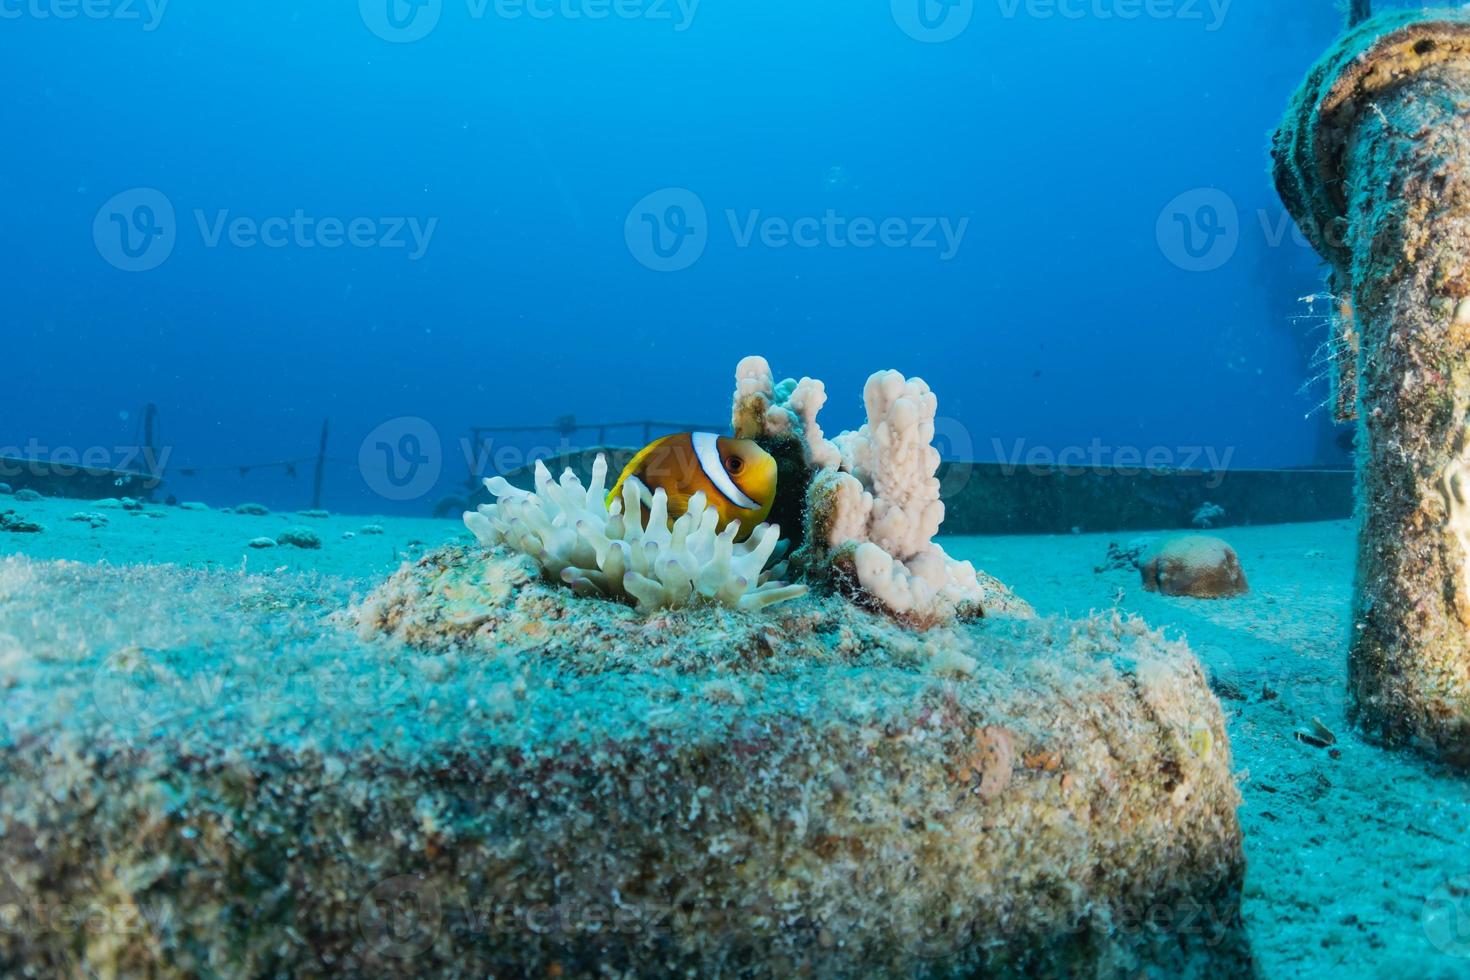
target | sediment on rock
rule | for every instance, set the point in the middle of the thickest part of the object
(733, 794)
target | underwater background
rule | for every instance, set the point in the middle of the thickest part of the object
(414, 216)
(257, 249)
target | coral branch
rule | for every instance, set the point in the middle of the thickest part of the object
(873, 506)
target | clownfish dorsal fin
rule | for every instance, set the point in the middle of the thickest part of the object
(707, 451)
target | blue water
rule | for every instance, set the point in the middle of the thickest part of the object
(1118, 271)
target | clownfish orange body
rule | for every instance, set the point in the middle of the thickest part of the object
(737, 477)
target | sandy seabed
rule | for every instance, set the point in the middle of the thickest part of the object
(1359, 859)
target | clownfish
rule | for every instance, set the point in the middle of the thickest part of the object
(737, 477)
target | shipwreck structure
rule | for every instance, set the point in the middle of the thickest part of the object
(1373, 161)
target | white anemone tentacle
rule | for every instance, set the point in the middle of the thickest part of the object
(598, 549)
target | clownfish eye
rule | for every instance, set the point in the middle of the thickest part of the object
(734, 465)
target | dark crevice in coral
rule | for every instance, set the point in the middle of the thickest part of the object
(793, 476)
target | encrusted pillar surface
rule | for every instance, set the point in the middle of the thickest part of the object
(1374, 163)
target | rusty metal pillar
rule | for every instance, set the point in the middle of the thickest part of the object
(1373, 161)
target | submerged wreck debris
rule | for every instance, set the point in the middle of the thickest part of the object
(862, 780)
(599, 793)
(1193, 565)
(1373, 162)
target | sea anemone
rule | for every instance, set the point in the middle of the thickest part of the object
(629, 551)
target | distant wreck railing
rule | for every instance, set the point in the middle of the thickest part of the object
(568, 426)
(151, 466)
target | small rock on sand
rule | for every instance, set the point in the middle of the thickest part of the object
(299, 537)
(1193, 565)
(262, 543)
(15, 524)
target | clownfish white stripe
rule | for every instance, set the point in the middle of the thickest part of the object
(707, 450)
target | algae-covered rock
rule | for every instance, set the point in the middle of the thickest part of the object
(300, 537)
(1193, 565)
(458, 597)
(16, 524)
(545, 785)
